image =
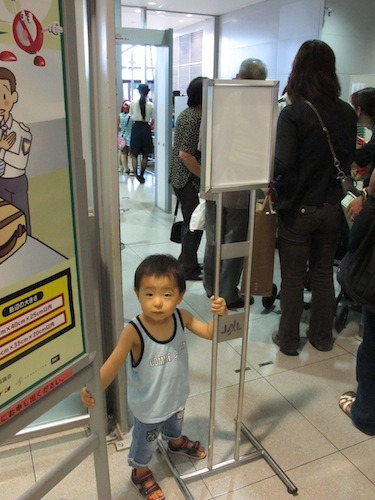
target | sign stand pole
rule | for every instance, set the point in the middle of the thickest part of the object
(222, 252)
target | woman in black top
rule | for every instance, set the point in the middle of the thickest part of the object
(309, 194)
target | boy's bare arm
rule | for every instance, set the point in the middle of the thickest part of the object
(200, 328)
(111, 367)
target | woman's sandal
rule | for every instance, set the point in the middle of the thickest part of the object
(346, 400)
(187, 447)
(140, 483)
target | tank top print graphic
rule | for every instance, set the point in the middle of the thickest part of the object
(158, 384)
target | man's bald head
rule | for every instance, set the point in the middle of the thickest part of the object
(252, 69)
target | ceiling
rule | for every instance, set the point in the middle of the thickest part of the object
(207, 7)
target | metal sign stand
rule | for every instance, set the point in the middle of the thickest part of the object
(221, 325)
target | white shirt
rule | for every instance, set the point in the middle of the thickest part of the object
(135, 111)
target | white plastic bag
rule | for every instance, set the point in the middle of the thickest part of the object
(197, 217)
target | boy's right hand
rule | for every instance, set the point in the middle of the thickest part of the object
(87, 399)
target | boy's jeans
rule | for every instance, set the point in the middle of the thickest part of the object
(145, 438)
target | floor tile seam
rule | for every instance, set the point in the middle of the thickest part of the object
(356, 467)
(287, 471)
(217, 389)
(305, 417)
(345, 349)
(223, 495)
(248, 364)
(300, 367)
(164, 224)
(366, 438)
(144, 244)
(272, 475)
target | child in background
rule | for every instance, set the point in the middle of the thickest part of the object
(157, 371)
(125, 125)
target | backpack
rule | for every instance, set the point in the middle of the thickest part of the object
(356, 273)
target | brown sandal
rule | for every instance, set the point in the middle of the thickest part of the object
(346, 400)
(140, 483)
(187, 447)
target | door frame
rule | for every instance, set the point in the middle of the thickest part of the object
(163, 121)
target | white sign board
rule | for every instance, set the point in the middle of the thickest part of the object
(238, 134)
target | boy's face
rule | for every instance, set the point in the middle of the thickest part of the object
(7, 99)
(159, 297)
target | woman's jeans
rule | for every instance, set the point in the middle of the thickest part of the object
(188, 197)
(363, 408)
(308, 238)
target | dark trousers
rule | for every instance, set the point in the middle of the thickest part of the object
(235, 224)
(308, 237)
(363, 408)
(188, 198)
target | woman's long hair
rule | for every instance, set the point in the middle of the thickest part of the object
(194, 92)
(143, 89)
(365, 99)
(313, 73)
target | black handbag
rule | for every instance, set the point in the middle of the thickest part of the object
(176, 231)
(346, 181)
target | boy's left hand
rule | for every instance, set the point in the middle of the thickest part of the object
(218, 306)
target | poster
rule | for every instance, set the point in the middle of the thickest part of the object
(40, 318)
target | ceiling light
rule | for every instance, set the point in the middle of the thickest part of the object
(152, 3)
(189, 15)
(182, 21)
(137, 11)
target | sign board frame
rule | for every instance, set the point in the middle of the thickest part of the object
(238, 134)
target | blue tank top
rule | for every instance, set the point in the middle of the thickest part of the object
(158, 384)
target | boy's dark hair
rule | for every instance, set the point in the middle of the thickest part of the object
(160, 265)
(6, 74)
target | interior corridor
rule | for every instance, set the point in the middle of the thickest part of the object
(290, 403)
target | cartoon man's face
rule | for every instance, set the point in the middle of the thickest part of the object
(7, 99)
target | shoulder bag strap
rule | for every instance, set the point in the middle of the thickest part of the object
(176, 210)
(336, 161)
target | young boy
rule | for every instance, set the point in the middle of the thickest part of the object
(157, 371)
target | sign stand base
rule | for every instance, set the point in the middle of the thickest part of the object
(224, 324)
(260, 452)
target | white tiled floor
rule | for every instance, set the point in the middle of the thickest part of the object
(290, 403)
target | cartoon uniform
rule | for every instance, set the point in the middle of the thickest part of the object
(13, 162)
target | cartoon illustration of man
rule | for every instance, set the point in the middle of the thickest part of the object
(15, 144)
